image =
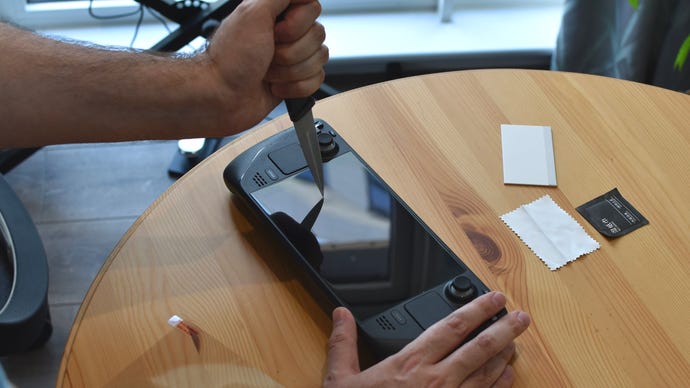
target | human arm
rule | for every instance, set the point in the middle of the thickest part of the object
(58, 92)
(434, 358)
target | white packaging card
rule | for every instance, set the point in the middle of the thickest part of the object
(528, 155)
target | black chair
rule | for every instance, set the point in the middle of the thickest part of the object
(24, 315)
(11, 157)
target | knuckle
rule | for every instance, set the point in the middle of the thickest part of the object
(434, 380)
(325, 54)
(336, 339)
(409, 362)
(301, 90)
(285, 32)
(330, 380)
(516, 325)
(319, 32)
(333, 380)
(464, 364)
(508, 352)
(483, 376)
(486, 375)
(282, 55)
(458, 324)
(412, 369)
(487, 342)
(317, 7)
(243, 8)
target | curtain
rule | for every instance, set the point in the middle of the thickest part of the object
(611, 38)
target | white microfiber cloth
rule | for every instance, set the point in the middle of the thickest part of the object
(551, 233)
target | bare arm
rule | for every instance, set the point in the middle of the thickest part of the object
(57, 92)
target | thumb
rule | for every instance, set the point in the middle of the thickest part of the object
(276, 7)
(343, 359)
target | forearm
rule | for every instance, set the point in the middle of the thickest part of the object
(56, 92)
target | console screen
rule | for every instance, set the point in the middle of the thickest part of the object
(369, 249)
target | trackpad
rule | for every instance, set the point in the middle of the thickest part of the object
(288, 159)
(428, 309)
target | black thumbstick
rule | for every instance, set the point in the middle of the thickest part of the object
(461, 290)
(327, 144)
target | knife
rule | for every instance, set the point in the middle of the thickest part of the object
(300, 113)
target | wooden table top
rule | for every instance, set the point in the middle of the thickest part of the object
(617, 317)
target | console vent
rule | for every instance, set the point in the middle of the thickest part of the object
(384, 323)
(258, 179)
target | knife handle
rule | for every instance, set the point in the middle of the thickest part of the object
(298, 107)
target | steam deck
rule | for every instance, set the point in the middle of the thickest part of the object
(364, 247)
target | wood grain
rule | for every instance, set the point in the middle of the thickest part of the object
(616, 317)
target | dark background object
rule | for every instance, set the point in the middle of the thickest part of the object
(611, 38)
(11, 157)
(24, 319)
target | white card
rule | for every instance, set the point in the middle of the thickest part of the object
(528, 155)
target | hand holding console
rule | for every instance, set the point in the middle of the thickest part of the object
(434, 358)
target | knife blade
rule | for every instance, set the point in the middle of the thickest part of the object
(302, 118)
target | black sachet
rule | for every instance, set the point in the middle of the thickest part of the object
(612, 215)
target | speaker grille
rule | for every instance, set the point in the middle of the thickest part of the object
(259, 179)
(384, 323)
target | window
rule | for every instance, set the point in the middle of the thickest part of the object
(359, 31)
(46, 13)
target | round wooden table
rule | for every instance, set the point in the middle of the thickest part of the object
(617, 317)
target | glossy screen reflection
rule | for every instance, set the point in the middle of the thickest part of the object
(364, 244)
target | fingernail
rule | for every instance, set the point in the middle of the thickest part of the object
(338, 316)
(499, 299)
(524, 318)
